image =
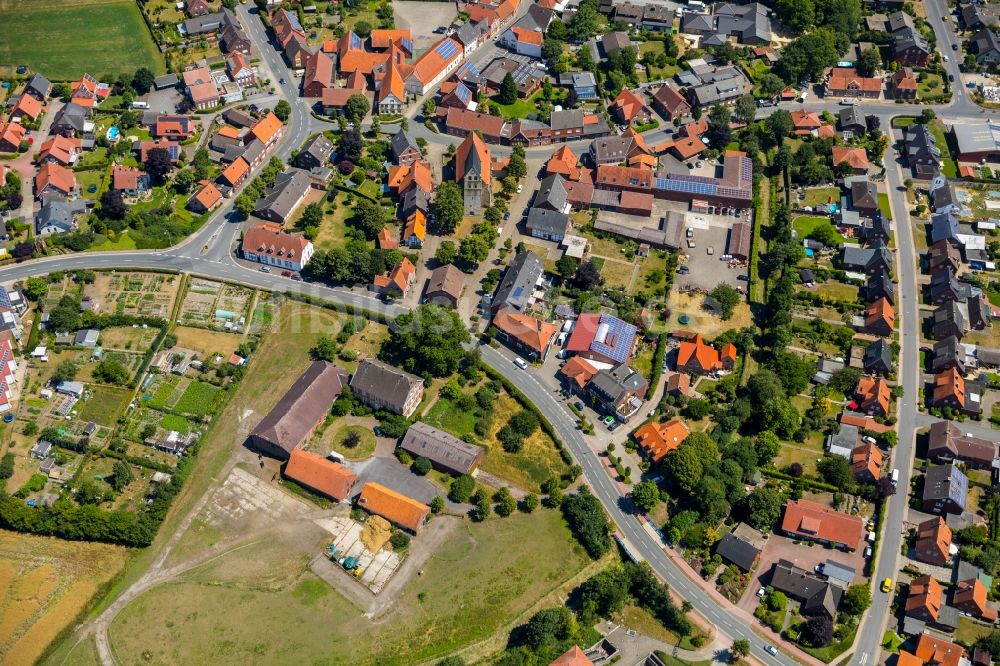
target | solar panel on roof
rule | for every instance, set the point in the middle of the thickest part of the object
(355, 41)
(446, 49)
(463, 93)
(5, 298)
(408, 44)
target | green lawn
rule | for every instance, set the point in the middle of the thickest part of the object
(87, 178)
(838, 291)
(174, 422)
(883, 205)
(948, 166)
(63, 39)
(121, 242)
(364, 449)
(820, 196)
(931, 86)
(105, 405)
(264, 608)
(805, 224)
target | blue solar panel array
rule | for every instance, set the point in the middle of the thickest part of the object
(622, 336)
(522, 73)
(5, 299)
(463, 93)
(673, 185)
(293, 20)
(446, 49)
(355, 41)
(408, 44)
(468, 69)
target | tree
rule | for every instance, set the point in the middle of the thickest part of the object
(351, 145)
(727, 298)
(369, 218)
(363, 29)
(183, 180)
(113, 206)
(35, 288)
(781, 125)
(549, 627)
(857, 599)
(508, 90)
(516, 167)
(584, 24)
(530, 502)
(683, 467)
(588, 275)
(719, 131)
(421, 466)
(312, 216)
(927, 115)
(763, 507)
(143, 80)
(845, 380)
(357, 108)
(505, 502)
(282, 110)
(449, 207)
(740, 649)
(158, 163)
(646, 495)
(836, 471)
(111, 371)
(7, 466)
(796, 14)
(746, 108)
(868, 62)
(437, 504)
(819, 629)
(481, 506)
(245, 203)
(325, 349)
(587, 520)
(474, 249)
(461, 489)
(771, 85)
(427, 341)
(121, 475)
(65, 372)
(793, 371)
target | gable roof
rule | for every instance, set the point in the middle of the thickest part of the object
(925, 597)
(703, 355)
(579, 371)
(473, 153)
(564, 162)
(572, 657)
(855, 157)
(208, 195)
(629, 104)
(394, 507)
(529, 331)
(393, 385)
(57, 176)
(435, 59)
(270, 239)
(399, 277)
(266, 128)
(812, 520)
(441, 448)
(947, 440)
(316, 472)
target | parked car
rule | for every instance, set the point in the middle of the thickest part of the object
(578, 405)
(761, 592)
(710, 250)
(286, 273)
(614, 426)
(297, 278)
(954, 47)
(265, 269)
(951, 77)
(683, 269)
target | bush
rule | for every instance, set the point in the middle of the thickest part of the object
(421, 466)
(399, 540)
(588, 522)
(461, 489)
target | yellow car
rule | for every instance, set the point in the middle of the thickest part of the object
(887, 585)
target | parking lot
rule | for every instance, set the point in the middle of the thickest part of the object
(705, 270)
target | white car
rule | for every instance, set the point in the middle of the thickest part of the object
(520, 188)
(770, 649)
(760, 592)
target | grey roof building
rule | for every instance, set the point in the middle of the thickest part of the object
(303, 407)
(944, 287)
(878, 357)
(949, 319)
(552, 195)
(946, 443)
(87, 337)
(70, 119)
(985, 45)
(879, 286)
(944, 226)
(547, 224)
(404, 147)
(383, 386)
(58, 215)
(922, 152)
(742, 546)
(316, 153)
(518, 285)
(38, 87)
(446, 452)
(948, 353)
(289, 189)
(165, 81)
(844, 441)
(201, 24)
(839, 574)
(816, 594)
(945, 489)
(851, 119)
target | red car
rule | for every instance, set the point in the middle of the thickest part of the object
(286, 273)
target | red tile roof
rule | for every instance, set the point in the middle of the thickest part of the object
(473, 143)
(696, 356)
(659, 439)
(125, 178)
(392, 84)
(526, 36)
(970, 596)
(324, 476)
(881, 311)
(235, 171)
(270, 239)
(629, 105)
(382, 38)
(810, 520)
(266, 128)
(12, 133)
(855, 157)
(634, 177)
(939, 651)
(572, 657)
(208, 195)
(867, 459)
(564, 162)
(432, 63)
(394, 507)
(385, 240)
(319, 72)
(949, 386)
(400, 277)
(805, 120)
(59, 177)
(29, 106)
(843, 80)
(933, 541)
(925, 598)
(874, 394)
(533, 333)
(579, 371)
(61, 149)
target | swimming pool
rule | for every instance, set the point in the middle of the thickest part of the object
(113, 133)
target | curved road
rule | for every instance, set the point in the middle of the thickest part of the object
(208, 253)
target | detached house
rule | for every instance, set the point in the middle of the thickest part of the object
(658, 439)
(910, 48)
(873, 395)
(946, 443)
(933, 544)
(630, 107)
(945, 490)
(269, 244)
(382, 386)
(55, 179)
(201, 88)
(808, 520)
(986, 47)
(699, 358)
(397, 281)
(524, 333)
(670, 103)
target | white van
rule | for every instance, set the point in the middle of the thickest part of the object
(895, 476)
(696, 4)
(140, 105)
(561, 339)
(519, 362)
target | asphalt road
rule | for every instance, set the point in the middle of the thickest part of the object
(208, 253)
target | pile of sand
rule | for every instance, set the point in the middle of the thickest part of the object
(375, 533)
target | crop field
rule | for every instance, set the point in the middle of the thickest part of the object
(263, 614)
(45, 583)
(214, 304)
(198, 399)
(102, 37)
(150, 294)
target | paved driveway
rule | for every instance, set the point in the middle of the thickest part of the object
(801, 555)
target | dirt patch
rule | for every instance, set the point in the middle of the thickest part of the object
(207, 342)
(375, 534)
(704, 321)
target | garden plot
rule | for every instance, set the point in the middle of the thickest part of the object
(216, 305)
(125, 338)
(141, 294)
(57, 290)
(376, 569)
(182, 394)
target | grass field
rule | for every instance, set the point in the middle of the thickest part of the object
(805, 224)
(63, 39)
(238, 614)
(333, 439)
(199, 399)
(207, 342)
(105, 405)
(528, 469)
(46, 583)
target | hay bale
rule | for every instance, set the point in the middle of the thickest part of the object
(375, 533)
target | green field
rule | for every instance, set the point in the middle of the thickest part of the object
(805, 224)
(105, 405)
(199, 399)
(269, 607)
(63, 39)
